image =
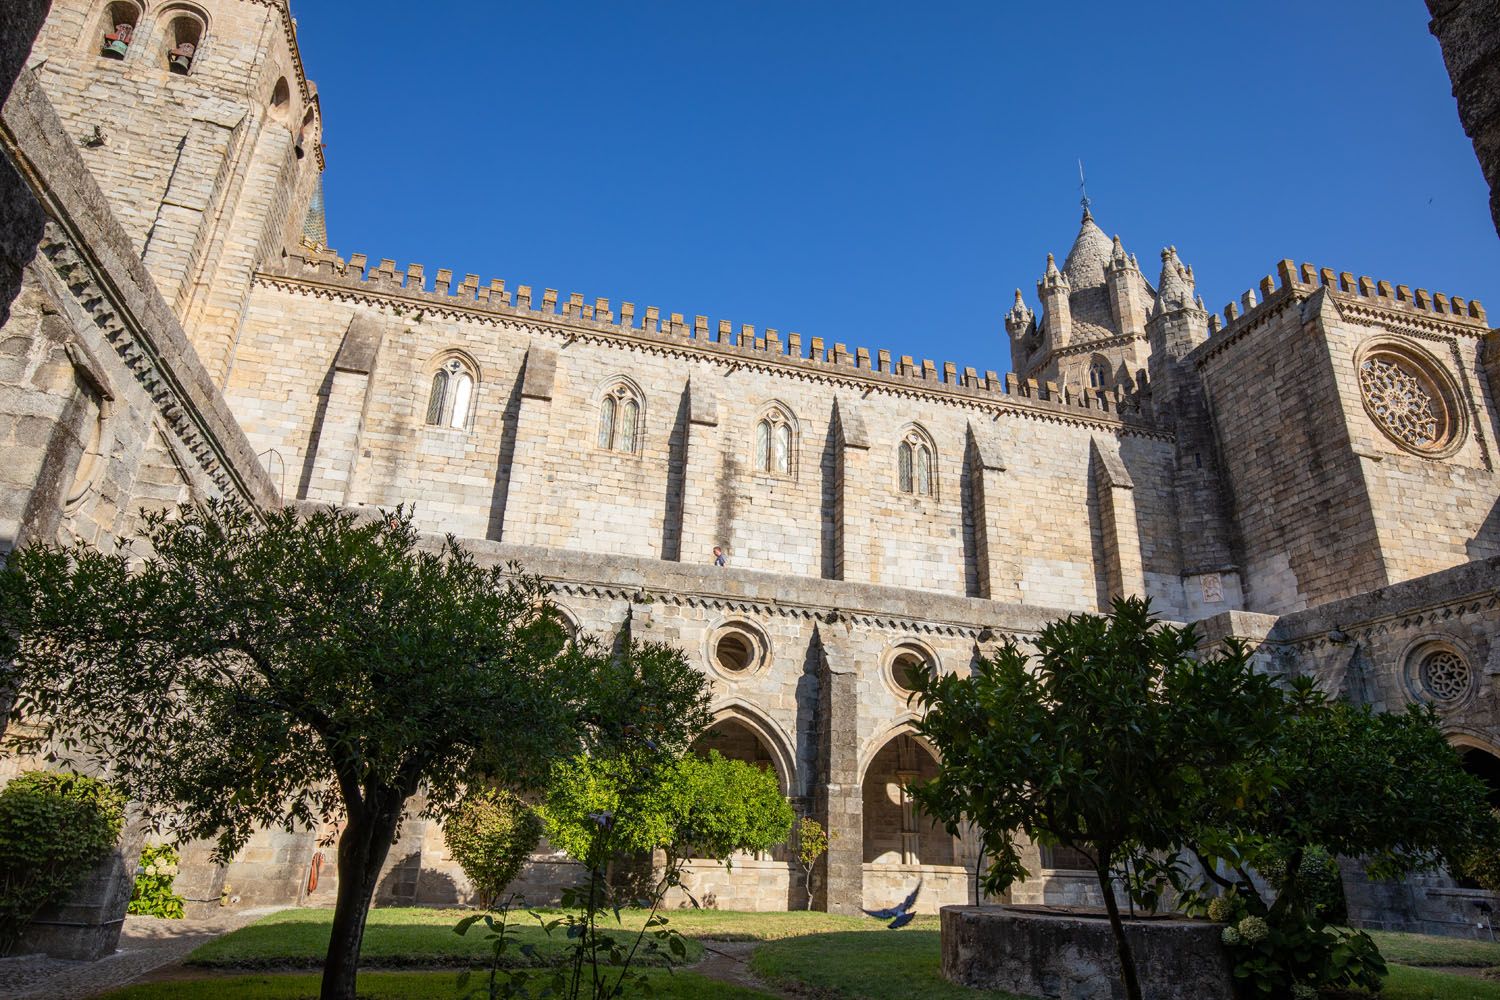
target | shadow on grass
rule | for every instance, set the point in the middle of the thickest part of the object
(881, 965)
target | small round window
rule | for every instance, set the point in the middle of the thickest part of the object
(907, 664)
(736, 649)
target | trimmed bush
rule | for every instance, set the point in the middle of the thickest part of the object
(54, 827)
(491, 834)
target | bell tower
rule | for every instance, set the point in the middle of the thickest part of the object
(198, 122)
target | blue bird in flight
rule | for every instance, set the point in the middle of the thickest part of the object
(899, 916)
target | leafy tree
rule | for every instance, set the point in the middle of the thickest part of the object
(53, 828)
(707, 807)
(1108, 741)
(600, 806)
(812, 844)
(490, 834)
(272, 668)
(1345, 780)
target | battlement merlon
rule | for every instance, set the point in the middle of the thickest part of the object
(1290, 281)
(407, 288)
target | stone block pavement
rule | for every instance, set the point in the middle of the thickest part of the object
(146, 944)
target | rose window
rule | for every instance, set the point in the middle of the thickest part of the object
(1410, 399)
(1445, 675)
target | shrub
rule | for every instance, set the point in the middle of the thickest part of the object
(54, 827)
(491, 834)
(153, 895)
(1318, 880)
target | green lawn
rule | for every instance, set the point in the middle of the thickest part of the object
(1425, 949)
(900, 965)
(399, 986)
(830, 956)
(298, 939)
(1405, 983)
(294, 939)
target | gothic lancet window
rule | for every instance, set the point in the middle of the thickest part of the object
(915, 464)
(1098, 373)
(775, 442)
(620, 419)
(451, 397)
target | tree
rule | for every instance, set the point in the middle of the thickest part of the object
(1338, 779)
(490, 834)
(272, 668)
(1107, 742)
(708, 807)
(601, 806)
(812, 844)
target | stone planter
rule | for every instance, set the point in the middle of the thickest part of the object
(1071, 956)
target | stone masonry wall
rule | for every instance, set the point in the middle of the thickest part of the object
(1326, 505)
(198, 169)
(529, 470)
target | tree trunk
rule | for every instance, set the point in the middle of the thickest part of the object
(1122, 946)
(362, 852)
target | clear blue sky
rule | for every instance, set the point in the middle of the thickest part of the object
(887, 174)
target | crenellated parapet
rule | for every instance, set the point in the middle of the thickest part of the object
(1378, 297)
(412, 287)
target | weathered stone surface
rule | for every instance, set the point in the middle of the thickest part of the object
(1036, 954)
(180, 336)
(1469, 31)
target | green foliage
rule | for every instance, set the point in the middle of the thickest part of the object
(812, 843)
(1480, 864)
(1330, 782)
(54, 827)
(708, 807)
(1318, 879)
(262, 668)
(491, 834)
(153, 895)
(1110, 740)
(1277, 955)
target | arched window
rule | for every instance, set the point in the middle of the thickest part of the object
(775, 442)
(120, 22)
(916, 464)
(620, 419)
(451, 397)
(1098, 373)
(183, 40)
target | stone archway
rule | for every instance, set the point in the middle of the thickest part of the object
(896, 831)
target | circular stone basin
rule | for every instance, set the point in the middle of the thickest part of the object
(1067, 954)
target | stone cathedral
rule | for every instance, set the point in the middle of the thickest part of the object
(1312, 468)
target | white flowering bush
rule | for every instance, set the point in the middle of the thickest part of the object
(1254, 929)
(1220, 910)
(1232, 936)
(153, 895)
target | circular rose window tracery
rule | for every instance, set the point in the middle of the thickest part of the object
(1410, 399)
(1445, 675)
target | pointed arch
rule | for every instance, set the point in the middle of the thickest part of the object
(452, 383)
(770, 736)
(904, 725)
(777, 436)
(916, 462)
(622, 413)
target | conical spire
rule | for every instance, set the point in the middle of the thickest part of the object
(1019, 320)
(1091, 251)
(1175, 290)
